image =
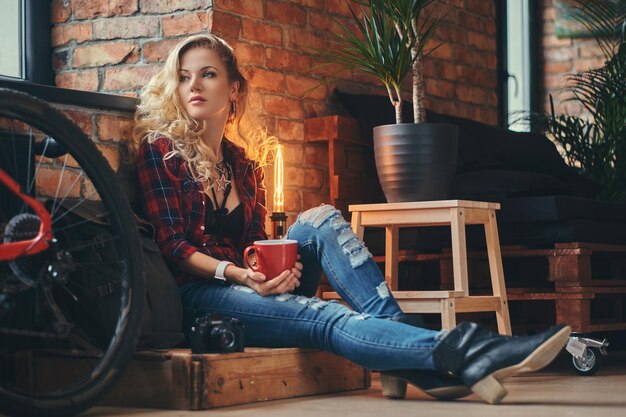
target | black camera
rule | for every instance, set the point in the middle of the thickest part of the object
(212, 333)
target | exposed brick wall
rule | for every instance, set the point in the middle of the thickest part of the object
(562, 56)
(114, 46)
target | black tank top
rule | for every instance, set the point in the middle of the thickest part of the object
(230, 225)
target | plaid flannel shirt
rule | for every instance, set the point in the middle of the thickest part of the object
(176, 205)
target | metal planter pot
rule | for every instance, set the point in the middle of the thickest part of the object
(416, 162)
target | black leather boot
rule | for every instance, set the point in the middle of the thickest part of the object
(482, 358)
(442, 387)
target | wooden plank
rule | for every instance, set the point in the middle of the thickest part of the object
(601, 327)
(391, 257)
(459, 250)
(595, 290)
(425, 205)
(357, 227)
(476, 216)
(598, 247)
(497, 274)
(478, 304)
(548, 296)
(186, 381)
(448, 314)
(406, 218)
(574, 268)
(408, 295)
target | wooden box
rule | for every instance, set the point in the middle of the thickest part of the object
(177, 379)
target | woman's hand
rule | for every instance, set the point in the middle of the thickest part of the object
(287, 281)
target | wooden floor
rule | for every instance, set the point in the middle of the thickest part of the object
(556, 391)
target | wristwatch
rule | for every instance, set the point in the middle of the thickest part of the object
(219, 271)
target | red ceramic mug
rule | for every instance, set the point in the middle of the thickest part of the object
(273, 256)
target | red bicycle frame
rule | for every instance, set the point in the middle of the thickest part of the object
(13, 250)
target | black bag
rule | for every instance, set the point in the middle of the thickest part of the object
(96, 297)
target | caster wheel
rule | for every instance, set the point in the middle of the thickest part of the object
(590, 364)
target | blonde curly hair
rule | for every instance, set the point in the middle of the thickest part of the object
(161, 114)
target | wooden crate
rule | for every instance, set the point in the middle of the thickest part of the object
(177, 379)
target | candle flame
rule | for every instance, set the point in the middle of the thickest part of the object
(279, 197)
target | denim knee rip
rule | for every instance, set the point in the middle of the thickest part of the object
(352, 246)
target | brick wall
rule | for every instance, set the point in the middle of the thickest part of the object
(562, 56)
(114, 46)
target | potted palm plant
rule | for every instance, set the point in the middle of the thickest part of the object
(415, 161)
(595, 141)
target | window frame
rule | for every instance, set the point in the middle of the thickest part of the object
(35, 44)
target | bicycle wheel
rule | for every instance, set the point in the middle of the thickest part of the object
(55, 162)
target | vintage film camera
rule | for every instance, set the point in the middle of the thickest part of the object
(213, 333)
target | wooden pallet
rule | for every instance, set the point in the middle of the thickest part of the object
(177, 379)
(575, 264)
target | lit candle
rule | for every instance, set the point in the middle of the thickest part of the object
(279, 197)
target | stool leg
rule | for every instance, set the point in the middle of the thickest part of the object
(448, 314)
(497, 273)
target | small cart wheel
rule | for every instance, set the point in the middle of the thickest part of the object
(590, 364)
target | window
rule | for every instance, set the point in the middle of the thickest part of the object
(25, 41)
(518, 61)
(11, 38)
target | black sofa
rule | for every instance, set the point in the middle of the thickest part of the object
(543, 200)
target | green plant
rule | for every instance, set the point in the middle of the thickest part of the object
(596, 141)
(389, 44)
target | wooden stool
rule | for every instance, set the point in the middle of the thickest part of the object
(456, 213)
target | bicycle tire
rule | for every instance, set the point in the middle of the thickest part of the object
(15, 105)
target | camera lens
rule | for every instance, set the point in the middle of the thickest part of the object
(227, 339)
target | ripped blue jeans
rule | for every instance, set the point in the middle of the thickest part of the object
(363, 333)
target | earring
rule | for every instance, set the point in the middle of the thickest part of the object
(233, 111)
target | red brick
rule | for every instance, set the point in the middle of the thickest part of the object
(313, 178)
(436, 68)
(128, 77)
(451, 33)
(292, 153)
(315, 199)
(158, 51)
(553, 41)
(482, 7)
(48, 180)
(475, 76)
(316, 155)
(482, 42)
(63, 34)
(288, 130)
(114, 128)
(469, 57)
(559, 54)
(224, 24)
(470, 21)
(184, 24)
(440, 88)
(60, 59)
(168, 6)
(85, 80)
(265, 80)
(294, 177)
(284, 12)
(249, 54)
(284, 107)
(303, 39)
(471, 94)
(105, 53)
(249, 8)
(319, 4)
(340, 7)
(126, 27)
(293, 201)
(282, 59)
(589, 49)
(439, 50)
(60, 11)
(90, 9)
(587, 64)
(304, 87)
(323, 23)
(563, 67)
(261, 32)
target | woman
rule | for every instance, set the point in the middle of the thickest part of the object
(206, 198)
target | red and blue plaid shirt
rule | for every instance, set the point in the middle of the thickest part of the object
(174, 202)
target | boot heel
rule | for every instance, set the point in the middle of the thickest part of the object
(490, 390)
(393, 387)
